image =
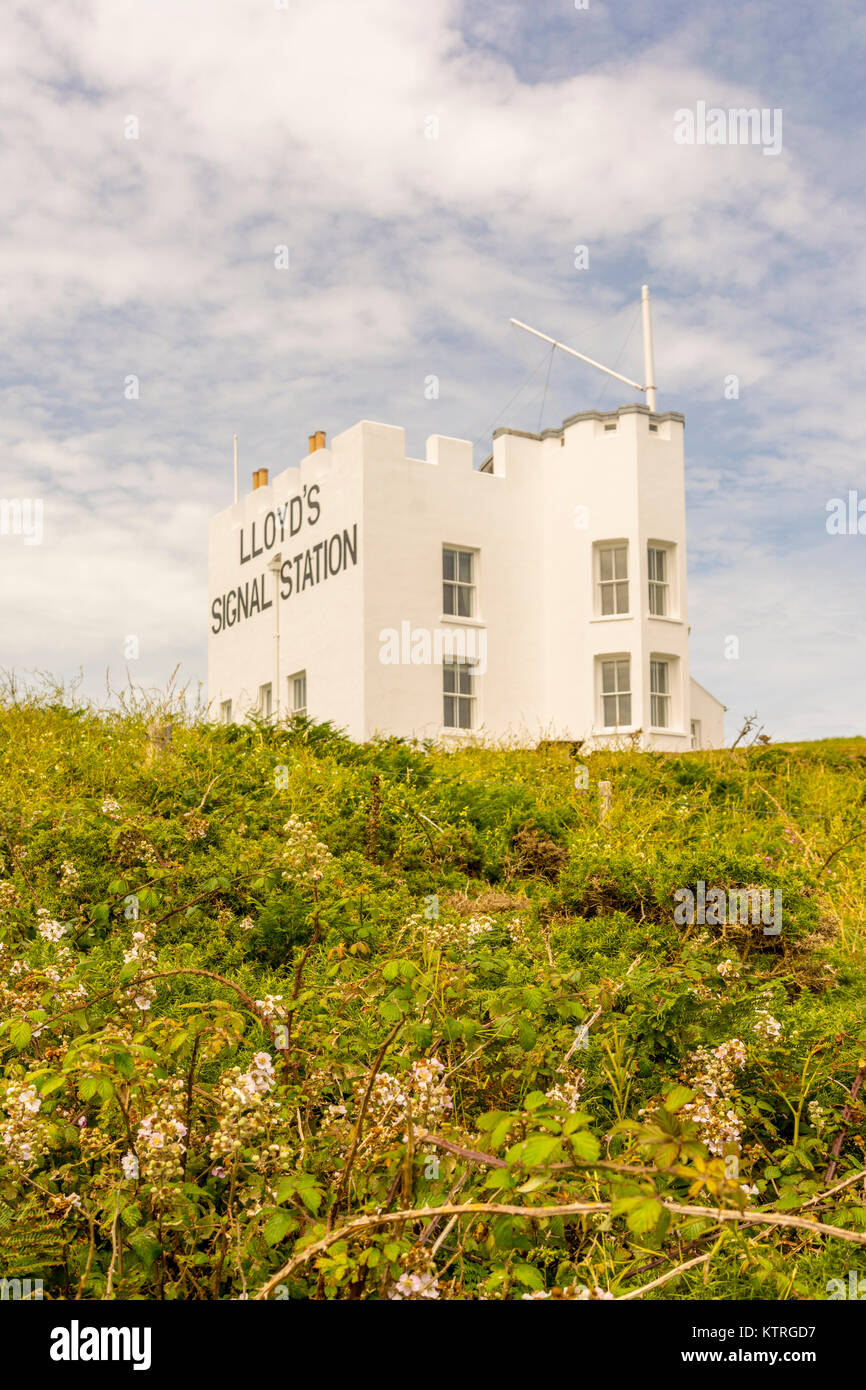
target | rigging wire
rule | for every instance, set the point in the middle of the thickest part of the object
(546, 384)
(562, 413)
(535, 370)
(619, 355)
(498, 417)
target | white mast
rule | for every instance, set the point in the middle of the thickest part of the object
(649, 368)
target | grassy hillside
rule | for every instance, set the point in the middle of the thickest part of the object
(265, 990)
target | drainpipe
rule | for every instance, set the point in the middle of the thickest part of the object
(274, 568)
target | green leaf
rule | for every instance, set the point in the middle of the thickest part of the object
(125, 1064)
(578, 1120)
(500, 1130)
(500, 1177)
(621, 1205)
(585, 1146)
(146, 1247)
(286, 1187)
(278, 1225)
(664, 1222)
(666, 1155)
(690, 1230)
(309, 1193)
(642, 1212)
(532, 1184)
(677, 1098)
(20, 1033)
(538, 1149)
(528, 1275)
(526, 1035)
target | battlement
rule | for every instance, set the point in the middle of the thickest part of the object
(372, 442)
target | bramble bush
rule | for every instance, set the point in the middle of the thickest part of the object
(283, 1016)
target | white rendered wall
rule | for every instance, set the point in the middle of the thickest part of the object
(710, 713)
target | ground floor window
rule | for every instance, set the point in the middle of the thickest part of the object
(458, 688)
(266, 700)
(660, 694)
(298, 693)
(696, 733)
(616, 692)
(226, 711)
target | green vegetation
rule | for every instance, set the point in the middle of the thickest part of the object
(263, 990)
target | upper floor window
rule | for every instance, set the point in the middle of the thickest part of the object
(612, 579)
(659, 581)
(616, 692)
(660, 694)
(298, 693)
(458, 688)
(458, 583)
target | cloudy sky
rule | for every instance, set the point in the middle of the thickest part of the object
(431, 168)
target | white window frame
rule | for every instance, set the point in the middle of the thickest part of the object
(266, 700)
(457, 589)
(669, 586)
(623, 689)
(226, 711)
(294, 708)
(659, 587)
(616, 582)
(661, 695)
(696, 733)
(468, 698)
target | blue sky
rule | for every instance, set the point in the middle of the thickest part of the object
(305, 126)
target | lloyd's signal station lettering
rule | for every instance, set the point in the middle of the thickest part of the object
(310, 566)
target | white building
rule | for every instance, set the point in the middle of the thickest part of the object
(541, 596)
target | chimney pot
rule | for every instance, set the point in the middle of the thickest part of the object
(317, 441)
(260, 478)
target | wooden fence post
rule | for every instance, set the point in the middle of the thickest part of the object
(158, 741)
